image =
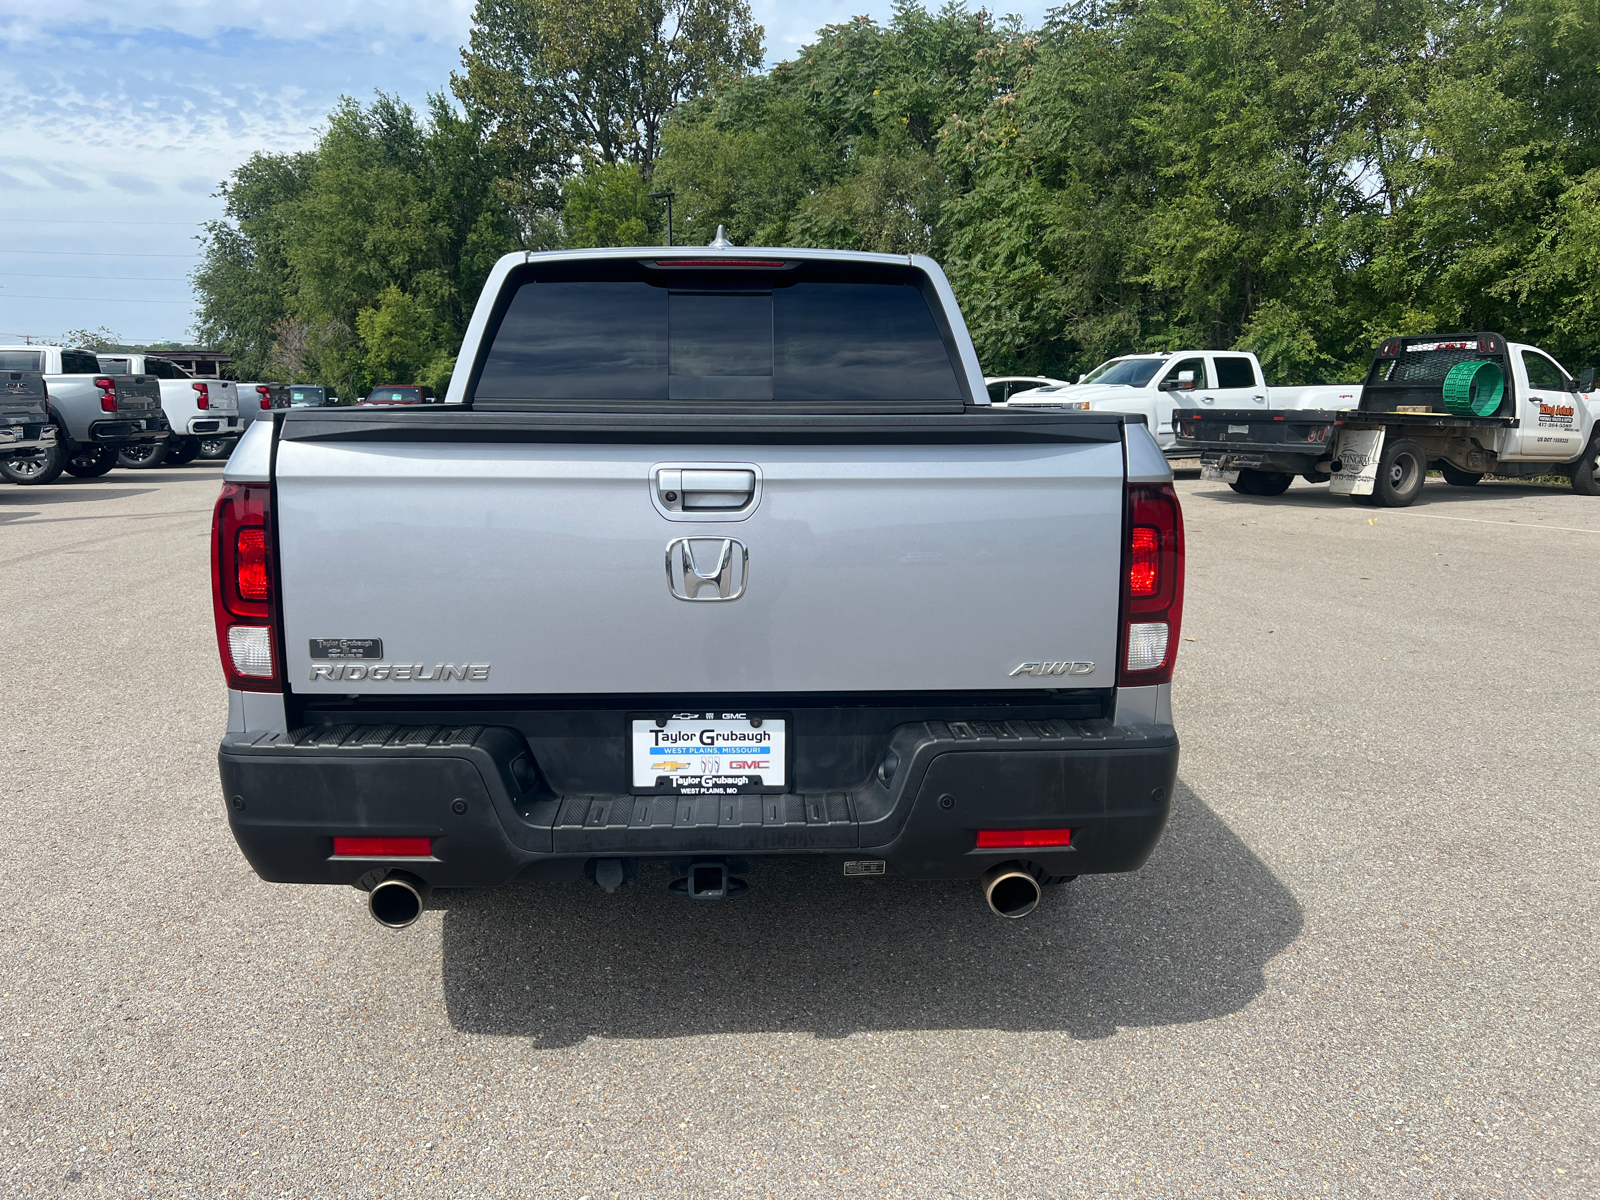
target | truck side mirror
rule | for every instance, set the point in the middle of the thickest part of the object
(1183, 383)
(1586, 380)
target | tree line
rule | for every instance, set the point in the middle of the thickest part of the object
(1299, 178)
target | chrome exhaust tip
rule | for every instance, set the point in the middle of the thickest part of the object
(1010, 890)
(397, 900)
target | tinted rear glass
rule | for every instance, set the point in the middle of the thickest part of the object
(677, 336)
(20, 360)
(1234, 372)
(79, 362)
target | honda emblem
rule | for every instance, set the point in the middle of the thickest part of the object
(707, 568)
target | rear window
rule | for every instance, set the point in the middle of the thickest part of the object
(20, 360)
(164, 370)
(79, 362)
(1234, 372)
(810, 335)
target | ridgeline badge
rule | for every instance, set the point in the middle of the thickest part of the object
(399, 672)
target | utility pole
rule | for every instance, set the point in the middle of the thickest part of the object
(667, 196)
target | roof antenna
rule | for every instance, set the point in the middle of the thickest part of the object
(720, 242)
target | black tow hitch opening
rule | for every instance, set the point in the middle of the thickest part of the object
(709, 879)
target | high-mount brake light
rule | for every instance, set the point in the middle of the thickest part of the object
(108, 393)
(242, 572)
(1152, 596)
(202, 395)
(382, 847)
(265, 393)
(721, 262)
(1010, 839)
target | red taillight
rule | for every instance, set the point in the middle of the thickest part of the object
(1009, 839)
(1144, 572)
(769, 263)
(241, 589)
(1152, 601)
(108, 393)
(382, 847)
(202, 395)
(250, 564)
(266, 395)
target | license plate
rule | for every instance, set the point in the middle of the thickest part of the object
(1219, 474)
(710, 754)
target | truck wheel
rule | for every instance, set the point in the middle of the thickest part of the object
(1456, 477)
(1586, 474)
(216, 447)
(182, 450)
(91, 462)
(1401, 471)
(142, 455)
(1264, 483)
(44, 467)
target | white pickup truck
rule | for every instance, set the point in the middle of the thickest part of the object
(1153, 385)
(94, 413)
(1468, 404)
(196, 409)
(677, 573)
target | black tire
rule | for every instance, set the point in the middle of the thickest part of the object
(1313, 477)
(1401, 472)
(1238, 485)
(1456, 477)
(91, 462)
(215, 447)
(182, 450)
(1586, 471)
(1264, 483)
(141, 456)
(44, 467)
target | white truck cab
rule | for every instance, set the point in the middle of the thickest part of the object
(1153, 385)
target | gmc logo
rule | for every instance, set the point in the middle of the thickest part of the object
(750, 764)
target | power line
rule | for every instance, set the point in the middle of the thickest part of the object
(97, 254)
(64, 221)
(129, 278)
(96, 299)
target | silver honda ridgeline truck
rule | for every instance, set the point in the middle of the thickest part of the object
(711, 555)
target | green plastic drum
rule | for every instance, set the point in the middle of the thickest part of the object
(1474, 389)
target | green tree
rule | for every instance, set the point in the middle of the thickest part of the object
(556, 82)
(608, 205)
(386, 229)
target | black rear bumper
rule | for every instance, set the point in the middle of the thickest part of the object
(475, 791)
(130, 430)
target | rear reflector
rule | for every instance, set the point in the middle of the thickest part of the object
(1010, 839)
(250, 647)
(382, 847)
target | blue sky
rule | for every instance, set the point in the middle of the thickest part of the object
(121, 119)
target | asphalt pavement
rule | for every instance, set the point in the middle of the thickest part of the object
(1360, 963)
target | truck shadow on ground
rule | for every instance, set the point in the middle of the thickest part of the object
(1433, 494)
(49, 494)
(1184, 939)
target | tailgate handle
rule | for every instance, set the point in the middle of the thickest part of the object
(704, 489)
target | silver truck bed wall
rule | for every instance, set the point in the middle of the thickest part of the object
(871, 567)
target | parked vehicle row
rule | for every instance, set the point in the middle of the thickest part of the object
(95, 413)
(83, 413)
(1469, 405)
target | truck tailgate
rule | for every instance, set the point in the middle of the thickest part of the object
(870, 568)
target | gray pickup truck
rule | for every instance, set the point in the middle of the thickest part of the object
(711, 555)
(25, 429)
(93, 414)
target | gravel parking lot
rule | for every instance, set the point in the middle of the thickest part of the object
(1361, 962)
